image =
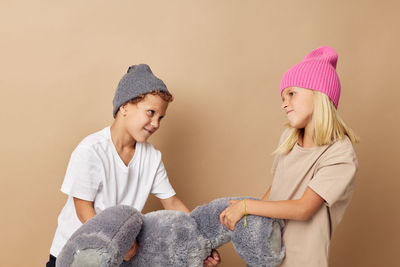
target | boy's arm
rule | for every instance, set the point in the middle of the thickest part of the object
(174, 203)
(84, 209)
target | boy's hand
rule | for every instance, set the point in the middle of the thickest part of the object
(132, 251)
(214, 260)
(232, 214)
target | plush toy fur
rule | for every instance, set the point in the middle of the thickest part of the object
(171, 238)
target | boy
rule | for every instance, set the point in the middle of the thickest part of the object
(116, 165)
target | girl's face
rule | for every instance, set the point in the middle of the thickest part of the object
(298, 104)
(143, 118)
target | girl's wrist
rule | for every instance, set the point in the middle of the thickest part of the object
(245, 213)
(250, 203)
(244, 207)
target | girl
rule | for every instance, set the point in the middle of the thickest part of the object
(314, 164)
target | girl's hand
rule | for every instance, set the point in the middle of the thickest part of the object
(132, 251)
(232, 214)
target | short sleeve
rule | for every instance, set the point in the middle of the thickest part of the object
(274, 164)
(282, 138)
(334, 176)
(161, 186)
(82, 178)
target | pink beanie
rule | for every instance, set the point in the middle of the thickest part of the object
(317, 72)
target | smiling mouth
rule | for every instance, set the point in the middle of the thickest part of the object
(150, 132)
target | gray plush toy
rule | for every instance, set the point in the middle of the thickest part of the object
(171, 238)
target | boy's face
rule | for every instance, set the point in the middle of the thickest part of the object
(142, 119)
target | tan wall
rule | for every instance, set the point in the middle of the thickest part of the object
(223, 60)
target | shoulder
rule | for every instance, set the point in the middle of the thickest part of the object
(94, 140)
(148, 147)
(341, 146)
(340, 151)
(285, 134)
(148, 150)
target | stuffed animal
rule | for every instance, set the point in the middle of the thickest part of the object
(171, 238)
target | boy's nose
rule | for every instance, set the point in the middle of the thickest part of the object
(155, 124)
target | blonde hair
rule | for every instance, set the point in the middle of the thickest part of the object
(328, 126)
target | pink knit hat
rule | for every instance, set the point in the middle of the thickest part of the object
(317, 72)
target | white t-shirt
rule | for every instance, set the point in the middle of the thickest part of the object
(96, 173)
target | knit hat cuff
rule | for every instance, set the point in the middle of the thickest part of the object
(139, 80)
(316, 72)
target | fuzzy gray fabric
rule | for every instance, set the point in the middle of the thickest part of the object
(104, 240)
(139, 80)
(171, 238)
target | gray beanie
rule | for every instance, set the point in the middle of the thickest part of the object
(139, 80)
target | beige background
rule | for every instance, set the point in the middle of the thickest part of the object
(223, 60)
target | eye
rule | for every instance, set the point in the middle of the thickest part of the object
(150, 112)
(291, 93)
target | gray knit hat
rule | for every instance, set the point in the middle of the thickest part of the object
(139, 80)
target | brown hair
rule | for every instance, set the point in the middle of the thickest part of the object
(166, 96)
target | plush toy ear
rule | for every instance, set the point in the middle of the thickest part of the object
(260, 244)
(104, 240)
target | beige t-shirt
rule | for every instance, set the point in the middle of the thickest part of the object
(327, 170)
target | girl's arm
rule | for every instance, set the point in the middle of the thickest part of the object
(84, 209)
(174, 203)
(300, 209)
(266, 195)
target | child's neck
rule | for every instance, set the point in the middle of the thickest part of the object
(124, 144)
(307, 139)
